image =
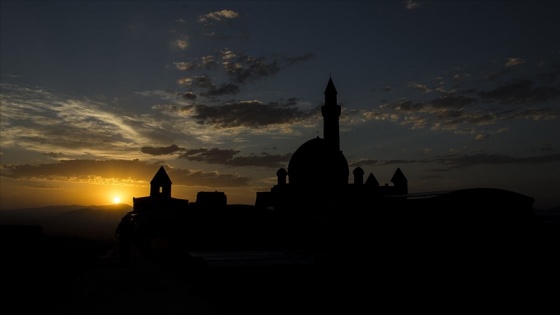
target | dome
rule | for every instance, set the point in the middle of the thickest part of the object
(317, 163)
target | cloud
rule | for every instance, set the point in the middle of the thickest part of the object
(43, 121)
(411, 5)
(189, 95)
(455, 161)
(183, 66)
(162, 150)
(212, 156)
(218, 16)
(243, 68)
(115, 171)
(536, 114)
(459, 110)
(514, 62)
(293, 60)
(54, 154)
(520, 92)
(180, 43)
(458, 161)
(224, 89)
(420, 87)
(238, 67)
(246, 68)
(251, 113)
(455, 102)
(185, 81)
(370, 162)
(208, 62)
(228, 157)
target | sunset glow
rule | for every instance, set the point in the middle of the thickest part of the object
(116, 200)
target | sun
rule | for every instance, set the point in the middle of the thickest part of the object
(116, 200)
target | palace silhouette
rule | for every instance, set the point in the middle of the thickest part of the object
(313, 206)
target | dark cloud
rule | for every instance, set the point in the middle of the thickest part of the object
(455, 161)
(208, 62)
(496, 74)
(212, 156)
(292, 60)
(162, 150)
(239, 67)
(536, 114)
(411, 5)
(224, 89)
(458, 161)
(92, 170)
(423, 88)
(246, 68)
(262, 160)
(368, 162)
(455, 102)
(452, 101)
(249, 114)
(227, 157)
(53, 154)
(203, 81)
(243, 68)
(189, 95)
(520, 92)
(209, 179)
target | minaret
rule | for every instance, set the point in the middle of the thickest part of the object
(331, 113)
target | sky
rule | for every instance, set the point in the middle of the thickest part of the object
(97, 95)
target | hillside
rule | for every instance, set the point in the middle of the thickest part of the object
(88, 222)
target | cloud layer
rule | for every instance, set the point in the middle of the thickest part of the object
(118, 171)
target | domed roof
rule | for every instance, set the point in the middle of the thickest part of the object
(317, 163)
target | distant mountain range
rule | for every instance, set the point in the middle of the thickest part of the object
(90, 222)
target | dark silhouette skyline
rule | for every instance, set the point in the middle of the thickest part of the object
(314, 208)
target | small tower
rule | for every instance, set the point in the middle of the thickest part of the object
(358, 176)
(400, 182)
(160, 185)
(282, 174)
(331, 112)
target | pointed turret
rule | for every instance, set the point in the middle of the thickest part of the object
(330, 93)
(160, 185)
(400, 182)
(372, 181)
(331, 112)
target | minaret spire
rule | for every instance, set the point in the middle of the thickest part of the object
(331, 112)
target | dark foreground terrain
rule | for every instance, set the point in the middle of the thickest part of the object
(45, 274)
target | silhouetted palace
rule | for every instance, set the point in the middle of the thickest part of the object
(347, 234)
(314, 206)
(317, 175)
